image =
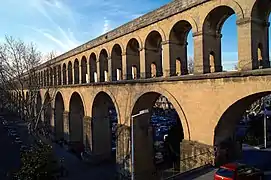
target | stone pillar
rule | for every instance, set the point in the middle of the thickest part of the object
(66, 125)
(80, 72)
(98, 70)
(73, 74)
(124, 66)
(123, 158)
(109, 61)
(101, 135)
(200, 65)
(142, 52)
(247, 48)
(87, 133)
(88, 78)
(67, 76)
(143, 146)
(56, 76)
(166, 59)
(52, 123)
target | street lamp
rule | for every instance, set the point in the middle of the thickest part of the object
(264, 122)
(145, 111)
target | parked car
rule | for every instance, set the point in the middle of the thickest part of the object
(238, 171)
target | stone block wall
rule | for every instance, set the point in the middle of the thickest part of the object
(194, 155)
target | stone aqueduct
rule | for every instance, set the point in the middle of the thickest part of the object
(131, 66)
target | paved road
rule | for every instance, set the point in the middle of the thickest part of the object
(10, 151)
(252, 156)
(10, 155)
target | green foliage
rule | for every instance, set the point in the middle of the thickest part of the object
(37, 164)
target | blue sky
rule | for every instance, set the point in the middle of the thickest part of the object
(61, 25)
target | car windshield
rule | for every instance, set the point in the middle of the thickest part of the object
(225, 173)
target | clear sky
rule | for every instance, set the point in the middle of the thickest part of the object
(61, 25)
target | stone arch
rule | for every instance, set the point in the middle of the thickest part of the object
(261, 10)
(38, 103)
(84, 72)
(70, 74)
(116, 61)
(153, 53)
(137, 38)
(76, 71)
(41, 79)
(47, 106)
(143, 134)
(118, 43)
(51, 75)
(260, 13)
(58, 112)
(176, 104)
(157, 29)
(178, 46)
(225, 128)
(104, 117)
(64, 74)
(93, 67)
(188, 19)
(59, 74)
(235, 6)
(103, 63)
(132, 59)
(211, 29)
(76, 115)
(55, 75)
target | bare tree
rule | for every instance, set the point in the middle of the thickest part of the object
(19, 80)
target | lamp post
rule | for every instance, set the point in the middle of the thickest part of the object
(145, 111)
(264, 124)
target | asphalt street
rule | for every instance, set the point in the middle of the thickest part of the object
(10, 150)
(252, 156)
(10, 154)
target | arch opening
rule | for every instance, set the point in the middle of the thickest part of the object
(76, 116)
(46, 80)
(93, 68)
(42, 79)
(116, 63)
(55, 75)
(181, 61)
(241, 123)
(84, 75)
(47, 114)
(132, 60)
(261, 33)
(58, 112)
(103, 62)
(70, 76)
(76, 71)
(158, 134)
(104, 126)
(38, 105)
(226, 52)
(51, 77)
(153, 54)
(59, 75)
(64, 76)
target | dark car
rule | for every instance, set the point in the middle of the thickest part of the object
(238, 171)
